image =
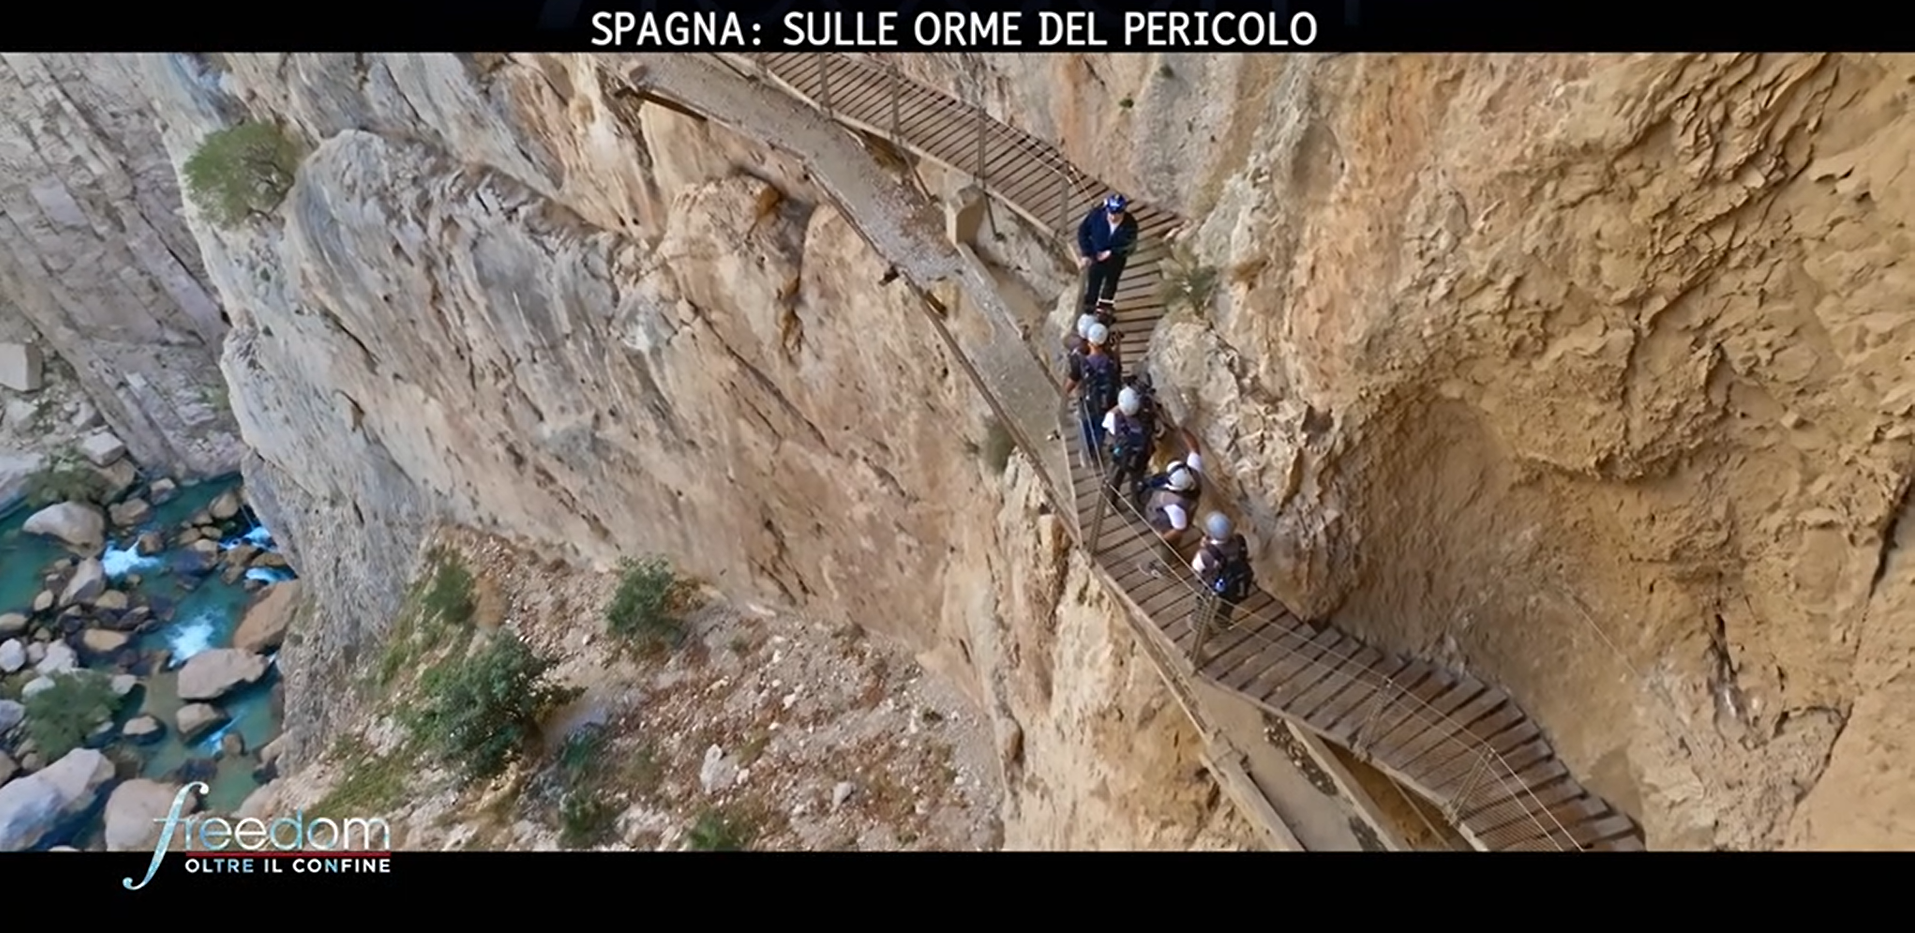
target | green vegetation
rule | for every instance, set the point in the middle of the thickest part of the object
(60, 718)
(480, 711)
(67, 478)
(997, 446)
(720, 830)
(441, 603)
(645, 614)
(587, 816)
(242, 171)
(370, 784)
(1128, 103)
(1186, 283)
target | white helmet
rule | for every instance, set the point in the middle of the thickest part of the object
(1218, 527)
(1129, 402)
(1087, 321)
(1098, 334)
(1181, 479)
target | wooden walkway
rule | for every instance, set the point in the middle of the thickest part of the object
(1462, 745)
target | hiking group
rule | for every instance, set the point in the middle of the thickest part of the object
(1122, 426)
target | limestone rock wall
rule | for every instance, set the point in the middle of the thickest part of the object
(499, 296)
(96, 262)
(1590, 374)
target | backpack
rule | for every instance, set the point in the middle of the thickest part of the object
(1129, 445)
(1234, 578)
(1100, 382)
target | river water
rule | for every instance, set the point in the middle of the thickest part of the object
(196, 613)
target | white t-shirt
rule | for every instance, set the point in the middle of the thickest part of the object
(1113, 225)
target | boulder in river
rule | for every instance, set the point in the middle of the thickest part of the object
(8, 768)
(35, 805)
(103, 641)
(225, 506)
(143, 728)
(196, 718)
(102, 448)
(89, 579)
(76, 523)
(59, 659)
(11, 624)
(13, 656)
(211, 675)
(264, 626)
(35, 687)
(130, 513)
(151, 543)
(11, 714)
(162, 491)
(136, 810)
(123, 684)
(111, 601)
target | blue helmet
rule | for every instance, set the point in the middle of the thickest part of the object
(1115, 203)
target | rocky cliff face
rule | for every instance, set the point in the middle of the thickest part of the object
(97, 265)
(1592, 374)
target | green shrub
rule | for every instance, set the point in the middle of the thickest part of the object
(1186, 283)
(449, 595)
(587, 819)
(60, 718)
(587, 816)
(997, 446)
(720, 831)
(242, 171)
(67, 479)
(645, 612)
(441, 600)
(481, 712)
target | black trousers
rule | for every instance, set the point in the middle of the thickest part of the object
(1124, 479)
(1103, 276)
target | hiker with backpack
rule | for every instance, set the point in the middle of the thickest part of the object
(1104, 240)
(1190, 464)
(1171, 499)
(1222, 565)
(1131, 440)
(1098, 378)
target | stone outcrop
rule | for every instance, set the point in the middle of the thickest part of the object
(135, 811)
(265, 624)
(33, 806)
(75, 524)
(213, 674)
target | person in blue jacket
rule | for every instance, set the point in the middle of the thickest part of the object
(1106, 237)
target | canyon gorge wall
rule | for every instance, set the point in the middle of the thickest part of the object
(1591, 374)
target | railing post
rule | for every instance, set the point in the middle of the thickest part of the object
(1453, 811)
(1204, 624)
(894, 101)
(1101, 505)
(981, 145)
(1061, 158)
(821, 84)
(1384, 698)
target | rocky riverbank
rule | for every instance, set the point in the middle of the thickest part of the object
(138, 632)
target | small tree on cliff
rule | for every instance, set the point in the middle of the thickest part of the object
(242, 171)
(483, 709)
